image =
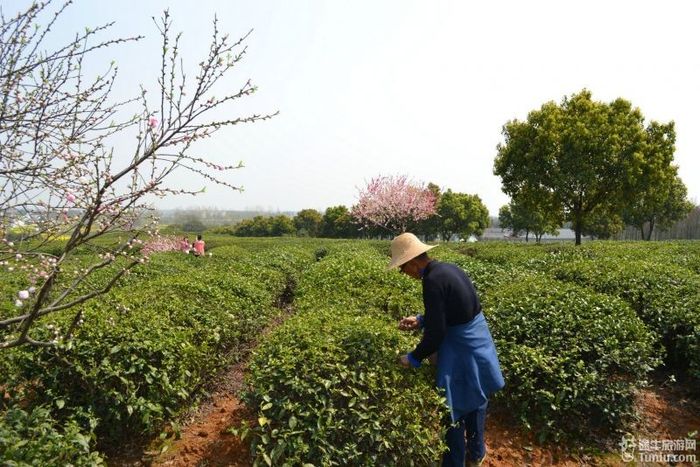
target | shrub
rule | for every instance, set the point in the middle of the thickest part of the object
(567, 354)
(33, 437)
(153, 342)
(329, 392)
(665, 296)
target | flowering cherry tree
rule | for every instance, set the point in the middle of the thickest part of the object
(393, 203)
(64, 186)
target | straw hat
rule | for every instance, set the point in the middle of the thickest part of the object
(405, 247)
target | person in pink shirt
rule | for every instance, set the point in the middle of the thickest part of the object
(185, 245)
(198, 246)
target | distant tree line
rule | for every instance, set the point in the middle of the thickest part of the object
(686, 229)
(449, 214)
(335, 222)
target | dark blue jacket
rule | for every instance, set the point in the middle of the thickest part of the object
(450, 299)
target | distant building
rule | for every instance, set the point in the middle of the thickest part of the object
(498, 234)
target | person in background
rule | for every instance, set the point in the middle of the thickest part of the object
(185, 245)
(198, 246)
(455, 328)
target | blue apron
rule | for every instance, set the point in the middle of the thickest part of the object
(468, 367)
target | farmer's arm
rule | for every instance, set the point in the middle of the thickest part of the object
(434, 324)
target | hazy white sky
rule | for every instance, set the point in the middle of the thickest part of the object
(408, 87)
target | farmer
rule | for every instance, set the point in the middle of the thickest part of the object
(185, 245)
(454, 327)
(198, 246)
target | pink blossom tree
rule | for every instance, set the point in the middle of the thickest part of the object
(63, 184)
(393, 203)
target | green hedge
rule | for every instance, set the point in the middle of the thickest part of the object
(665, 296)
(566, 352)
(34, 438)
(149, 345)
(329, 392)
(327, 385)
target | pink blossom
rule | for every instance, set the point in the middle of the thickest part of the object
(152, 122)
(393, 203)
(161, 244)
(18, 303)
(70, 197)
(23, 294)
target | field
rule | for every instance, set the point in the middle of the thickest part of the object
(583, 334)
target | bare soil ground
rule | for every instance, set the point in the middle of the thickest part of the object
(666, 412)
(205, 440)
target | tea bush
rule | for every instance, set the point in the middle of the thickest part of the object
(327, 385)
(566, 352)
(329, 392)
(33, 437)
(155, 340)
(665, 296)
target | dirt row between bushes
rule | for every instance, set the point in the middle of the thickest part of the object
(202, 435)
(205, 439)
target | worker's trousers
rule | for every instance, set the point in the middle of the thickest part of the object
(471, 427)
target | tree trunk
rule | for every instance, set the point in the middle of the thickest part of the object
(578, 234)
(651, 227)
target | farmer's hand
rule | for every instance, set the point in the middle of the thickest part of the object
(408, 323)
(403, 360)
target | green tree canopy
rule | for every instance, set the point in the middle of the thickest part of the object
(281, 225)
(603, 222)
(529, 218)
(659, 203)
(308, 222)
(462, 214)
(337, 223)
(430, 227)
(579, 155)
(265, 226)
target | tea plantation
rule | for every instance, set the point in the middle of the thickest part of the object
(578, 331)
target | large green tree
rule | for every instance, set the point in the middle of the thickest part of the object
(337, 223)
(578, 155)
(430, 227)
(462, 214)
(658, 204)
(659, 196)
(522, 217)
(308, 222)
